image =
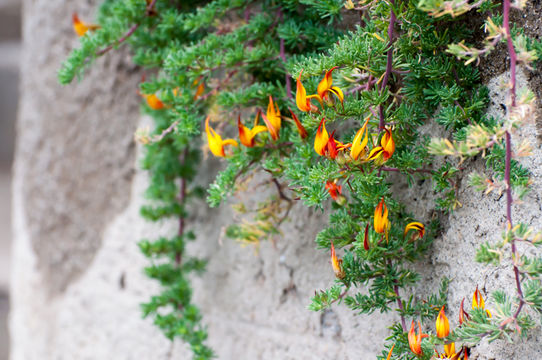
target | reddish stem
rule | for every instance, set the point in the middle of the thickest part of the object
(389, 63)
(182, 197)
(508, 159)
(129, 33)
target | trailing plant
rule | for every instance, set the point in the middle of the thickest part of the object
(383, 86)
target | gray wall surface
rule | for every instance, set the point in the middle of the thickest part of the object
(76, 197)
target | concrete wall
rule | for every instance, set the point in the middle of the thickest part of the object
(77, 193)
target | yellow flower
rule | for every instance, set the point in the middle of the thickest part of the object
(300, 128)
(360, 142)
(381, 222)
(321, 139)
(81, 27)
(325, 87)
(478, 301)
(449, 353)
(216, 144)
(337, 264)
(442, 324)
(386, 148)
(272, 120)
(418, 226)
(302, 100)
(246, 135)
(415, 341)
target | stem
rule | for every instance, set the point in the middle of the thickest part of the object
(389, 64)
(283, 57)
(182, 197)
(384, 168)
(129, 33)
(508, 160)
(400, 306)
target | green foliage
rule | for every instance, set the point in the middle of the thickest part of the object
(226, 58)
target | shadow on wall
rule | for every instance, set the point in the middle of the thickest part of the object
(10, 44)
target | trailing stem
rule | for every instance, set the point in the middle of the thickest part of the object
(508, 159)
(389, 63)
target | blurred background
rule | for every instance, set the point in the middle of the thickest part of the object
(10, 46)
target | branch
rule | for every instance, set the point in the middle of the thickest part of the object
(130, 32)
(389, 64)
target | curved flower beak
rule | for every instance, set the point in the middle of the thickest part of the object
(415, 340)
(81, 27)
(246, 135)
(300, 128)
(442, 324)
(326, 86)
(417, 226)
(337, 264)
(272, 120)
(360, 142)
(381, 222)
(216, 144)
(389, 353)
(303, 101)
(321, 139)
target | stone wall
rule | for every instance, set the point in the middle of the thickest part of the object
(77, 276)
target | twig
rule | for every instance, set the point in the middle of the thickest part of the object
(508, 159)
(129, 33)
(182, 197)
(389, 63)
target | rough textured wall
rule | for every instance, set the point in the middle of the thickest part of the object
(77, 277)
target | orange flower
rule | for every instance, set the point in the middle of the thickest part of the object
(199, 90)
(386, 148)
(333, 189)
(360, 142)
(478, 301)
(216, 144)
(442, 324)
(80, 27)
(337, 264)
(246, 135)
(415, 341)
(418, 226)
(300, 128)
(322, 138)
(153, 101)
(325, 87)
(272, 120)
(381, 222)
(303, 101)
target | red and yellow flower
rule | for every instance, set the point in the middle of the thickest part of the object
(337, 264)
(416, 226)
(415, 340)
(246, 135)
(442, 324)
(462, 313)
(326, 86)
(272, 119)
(386, 148)
(360, 141)
(303, 101)
(381, 222)
(478, 301)
(321, 139)
(333, 189)
(216, 144)
(81, 27)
